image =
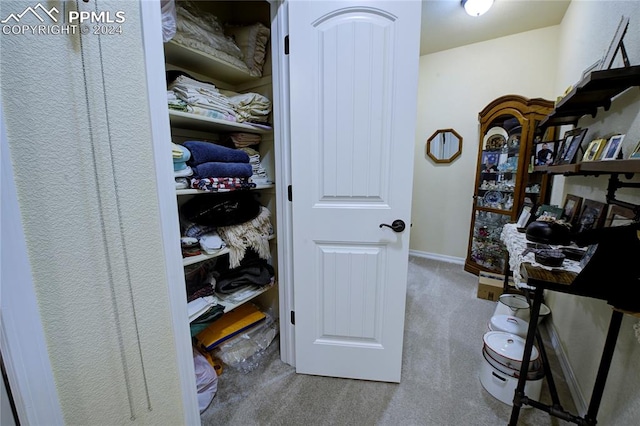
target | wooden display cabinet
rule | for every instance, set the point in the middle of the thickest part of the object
(505, 177)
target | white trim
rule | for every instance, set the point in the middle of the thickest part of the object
(161, 135)
(24, 348)
(570, 378)
(436, 256)
(280, 72)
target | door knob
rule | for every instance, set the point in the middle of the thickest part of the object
(397, 225)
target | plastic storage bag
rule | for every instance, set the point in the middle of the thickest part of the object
(244, 351)
(206, 380)
(168, 19)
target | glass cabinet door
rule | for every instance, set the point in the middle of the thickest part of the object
(499, 164)
(496, 192)
(486, 248)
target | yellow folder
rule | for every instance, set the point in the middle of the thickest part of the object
(229, 325)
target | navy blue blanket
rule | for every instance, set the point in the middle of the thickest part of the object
(205, 152)
(216, 169)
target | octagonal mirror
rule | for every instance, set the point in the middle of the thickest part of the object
(444, 146)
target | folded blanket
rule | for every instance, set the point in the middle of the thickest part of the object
(216, 169)
(240, 140)
(225, 209)
(187, 171)
(222, 184)
(205, 152)
(251, 275)
(249, 235)
(252, 269)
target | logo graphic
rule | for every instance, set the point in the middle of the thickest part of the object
(34, 12)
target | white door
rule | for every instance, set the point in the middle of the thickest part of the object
(353, 81)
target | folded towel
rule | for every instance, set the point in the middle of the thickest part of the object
(182, 183)
(204, 152)
(216, 169)
(180, 153)
(222, 184)
(187, 171)
(179, 165)
(211, 243)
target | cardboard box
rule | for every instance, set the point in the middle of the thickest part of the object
(490, 285)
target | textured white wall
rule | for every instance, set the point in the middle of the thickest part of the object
(586, 31)
(77, 214)
(454, 86)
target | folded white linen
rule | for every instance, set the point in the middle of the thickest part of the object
(199, 306)
(211, 243)
(186, 172)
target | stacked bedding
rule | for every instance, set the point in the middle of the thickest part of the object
(187, 94)
(217, 168)
(199, 98)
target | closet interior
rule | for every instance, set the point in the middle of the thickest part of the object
(220, 92)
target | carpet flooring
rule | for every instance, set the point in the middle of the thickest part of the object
(440, 385)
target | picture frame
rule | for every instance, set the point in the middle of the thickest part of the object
(594, 150)
(593, 67)
(573, 142)
(619, 216)
(524, 217)
(490, 161)
(613, 147)
(545, 152)
(562, 149)
(635, 154)
(592, 215)
(548, 210)
(571, 208)
(614, 46)
(591, 250)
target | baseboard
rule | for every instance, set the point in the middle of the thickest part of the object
(578, 398)
(436, 256)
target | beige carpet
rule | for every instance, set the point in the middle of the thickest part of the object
(442, 355)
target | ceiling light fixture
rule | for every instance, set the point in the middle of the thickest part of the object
(477, 7)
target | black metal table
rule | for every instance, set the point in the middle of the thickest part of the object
(561, 281)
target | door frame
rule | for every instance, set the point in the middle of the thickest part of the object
(151, 20)
(160, 127)
(282, 137)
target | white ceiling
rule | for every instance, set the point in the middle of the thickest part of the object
(446, 25)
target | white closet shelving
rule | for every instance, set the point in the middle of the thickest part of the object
(192, 260)
(226, 76)
(200, 122)
(198, 191)
(205, 64)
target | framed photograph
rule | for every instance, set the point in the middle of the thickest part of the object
(571, 208)
(614, 46)
(490, 161)
(573, 142)
(524, 217)
(591, 250)
(592, 215)
(561, 151)
(594, 150)
(636, 152)
(545, 152)
(619, 216)
(613, 147)
(547, 210)
(594, 67)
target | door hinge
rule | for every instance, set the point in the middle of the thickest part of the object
(286, 44)
(290, 193)
(293, 317)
